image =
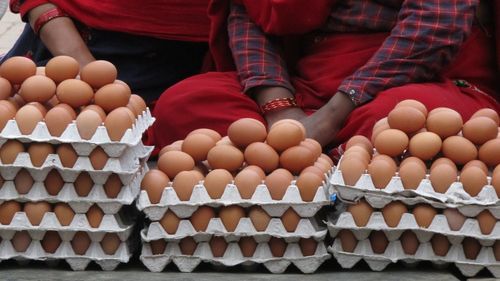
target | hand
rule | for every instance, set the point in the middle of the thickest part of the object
(265, 94)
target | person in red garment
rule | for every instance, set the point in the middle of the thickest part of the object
(153, 43)
(336, 66)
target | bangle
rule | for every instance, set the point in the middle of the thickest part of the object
(278, 104)
(46, 17)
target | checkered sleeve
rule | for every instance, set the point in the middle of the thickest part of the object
(256, 55)
(426, 37)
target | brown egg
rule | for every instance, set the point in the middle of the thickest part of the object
(257, 170)
(83, 184)
(173, 162)
(361, 212)
(118, 122)
(260, 219)
(488, 153)
(496, 250)
(97, 109)
(98, 158)
(487, 112)
(357, 152)
(175, 146)
(53, 182)
(110, 243)
(209, 132)
(58, 119)
(23, 182)
(225, 157)
(158, 246)
(277, 246)
(218, 246)
(313, 145)
(424, 214)
(471, 248)
(9, 151)
(476, 163)
(60, 68)
(459, 149)
(473, 179)
(7, 211)
(10, 107)
(112, 96)
(323, 165)
(94, 216)
(347, 240)
(245, 131)
(230, 216)
(352, 169)
(80, 243)
(37, 88)
(154, 182)
(308, 184)
(277, 183)
(137, 103)
(425, 145)
(413, 103)
(5, 116)
(409, 242)
(308, 246)
(486, 222)
(5, 89)
(393, 212)
(64, 213)
(99, 73)
(201, 217)
(378, 241)
(247, 246)
(247, 181)
(360, 141)
(442, 160)
(36, 210)
(39, 151)
(188, 246)
(455, 219)
(285, 134)
(442, 176)
(67, 155)
(170, 222)
(444, 122)
(412, 171)
(290, 220)
(27, 118)
(495, 179)
(382, 168)
(197, 146)
(216, 181)
(113, 186)
(391, 142)
(184, 183)
(480, 130)
(21, 241)
(380, 126)
(262, 155)
(297, 158)
(87, 123)
(440, 245)
(74, 92)
(407, 119)
(17, 69)
(51, 241)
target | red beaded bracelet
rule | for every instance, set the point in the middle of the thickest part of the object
(277, 104)
(46, 17)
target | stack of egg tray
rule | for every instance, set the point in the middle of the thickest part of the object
(127, 159)
(307, 228)
(455, 198)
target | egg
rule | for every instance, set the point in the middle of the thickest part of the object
(348, 240)
(245, 131)
(23, 182)
(323, 165)
(391, 142)
(64, 213)
(95, 216)
(83, 184)
(37, 88)
(87, 123)
(440, 245)
(357, 152)
(308, 184)
(98, 158)
(378, 127)
(285, 134)
(381, 169)
(80, 242)
(487, 112)
(473, 180)
(158, 246)
(476, 163)
(277, 183)
(184, 183)
(216, 181)
(480, 130)
(208, 132)
(225, 157)
(53, 182)
(95, 108)
(17, 69)
(378, 241)
(39, 151)
(442, 176)
(412, 171)
(21, 241)
(175, 146)
(9, 151)
(361, 212)
(6, 114)
(154, 182)
(262, 155)
(259, 218)
(393, 212)
(308, 246)
(230, 216)
(459, 149)
(486, 222)
(7, 211)
(118, 122)
(188, 246)
(35, 211)
(407, 119)
(495, 179)
(424, 215)
(247, 181)
(488, 153)
(496, 250)
(409, 242)
(455, 219)
(444, 122)
(74, 92)
(218, 246)
(201, 217)
(27, 118)
(471, 248)
(138, 104)
(51, 242)
(113, 186)
(425, 145)
(352, 169)
(413, 103)
(5, 89)
(247, 246)
(110, 243)
(174, 162)
(60, 68)
(277, 246)
(296, 158)
(198, 146)
(362, 141)
(99, 73)
(112, 96)
(67, 155)
(170, 222)
(313, 145)
(290, 220)
(58, 119)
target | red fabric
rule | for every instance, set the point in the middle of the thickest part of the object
(184, 20)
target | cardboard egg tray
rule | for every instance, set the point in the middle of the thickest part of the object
(394, 253)
(132, 137)
(233, 257)
(231, 196)
(97, 195)
(306, 228)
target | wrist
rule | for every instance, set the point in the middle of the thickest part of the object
(47, 16)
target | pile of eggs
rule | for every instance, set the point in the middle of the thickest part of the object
(60, 94)
(415, 143)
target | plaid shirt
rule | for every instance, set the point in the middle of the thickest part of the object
(424, 37)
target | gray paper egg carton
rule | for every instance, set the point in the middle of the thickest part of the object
(132, 137)
(306, 228)
(233, 257)
(394, 253)
(79, 204)
(231, 196)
